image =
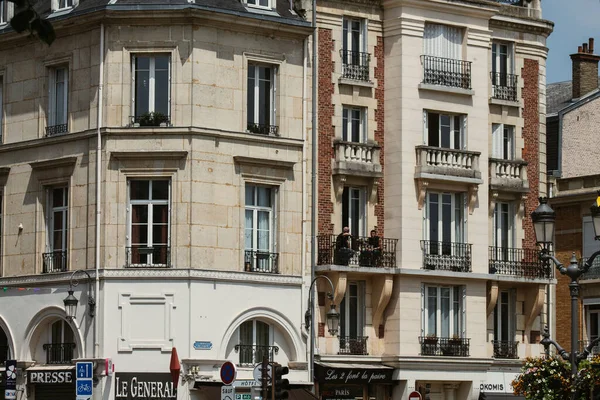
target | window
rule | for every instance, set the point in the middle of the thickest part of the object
(352, 309)
(58, 101)
(62, 343)
(593, 322)
(149, 223)
(353, 125)
(505, 316)
(6, 11)
(259, 3)
(504, 216)
(355, 59)
(259, 235)
(55, 257)
(261, 99)
(1, 224)
(445, 311)
(61, 332)
(503, 141)
(445, 221)
(151, 88)
(590, 244)
(445, 130)
(354, 36)
(255, 341)
(443, 41)
(1, 109)
(501, 60)
(354, 210)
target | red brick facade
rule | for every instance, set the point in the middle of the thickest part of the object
(379, 132)
(531, 132)
(326, 130)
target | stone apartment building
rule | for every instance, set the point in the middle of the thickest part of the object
(572, 120)
(431, 133)
(197, 241)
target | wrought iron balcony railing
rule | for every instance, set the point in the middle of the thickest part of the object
(506, 349)
(355, 65)
(523, 263)
(59, 353)
(253, 354)
(263, 129)
(55, 261)
(440, 346)
(57, 129)
(150, 120)
(447, 162)
(362, 252)
(261, 261)
(157, 256)
(594, 271)
(353, 345)
(504, 86)
(446, 72)
(446, 256)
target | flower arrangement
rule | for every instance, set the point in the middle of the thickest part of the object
(550, 378)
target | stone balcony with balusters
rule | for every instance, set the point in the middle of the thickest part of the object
(439, 163)
(358, 159)
(508, 175)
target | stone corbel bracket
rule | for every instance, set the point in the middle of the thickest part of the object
(422, 192)
(381, 294)
(493, 200)
(472, 198)
(340, 281)
(534, 302)
(492, 297)
(372, 188)
(338, 182)
(522, 201)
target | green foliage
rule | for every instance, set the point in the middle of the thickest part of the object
(153, 119)
(27, 19)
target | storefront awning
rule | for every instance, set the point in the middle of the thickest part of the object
(51, 368)
(499, 396)
(347, 373)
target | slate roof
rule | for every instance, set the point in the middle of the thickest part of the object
(558, 96)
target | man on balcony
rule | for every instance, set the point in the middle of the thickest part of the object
(343, 245)
(373, 251)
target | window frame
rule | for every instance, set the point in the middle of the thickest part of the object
(458, 204)
(272, 212)
(256, 89)
(50, 218)
(150, 221)
(53, 118)
(454, 119)
(64, 326)
(500, 231)
(269, 5)
(506, 300)
(504, 141)
(359, 313)
(348, 44)
(6, 12)
(497, 53)
(449, 49)
(348, 195)
(348, 117)
(589, 310)
(151, 81)
(456, 314)
(254, 342)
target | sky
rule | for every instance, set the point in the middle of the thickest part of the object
(574, 22)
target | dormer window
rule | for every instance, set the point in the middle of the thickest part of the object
(60, 5)
(6, 11)
(259, 3)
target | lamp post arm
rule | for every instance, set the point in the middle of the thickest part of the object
(308, 314)
(588, 349)
(74, 282)
(546, 256)
(546, 342)
(589, 262)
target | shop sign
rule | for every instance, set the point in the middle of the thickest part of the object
(50, 377)
(498, 382)
(342, 392)
(144, 386)
(353, 375)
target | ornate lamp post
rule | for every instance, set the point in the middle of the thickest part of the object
(71, 301)
(543, 222)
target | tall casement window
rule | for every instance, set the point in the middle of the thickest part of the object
(503, 141)
(442, 59)
(256, 338)
(261, 99)
(260, 254)
(353, 124)
(444, 311)
(593, 322)
(505, 316)
(6, 8)
(57, 223)
(355, 58)
(445, 221)
(445, 130)
(58, 101)
(501, 61)
(149, 223)
(62, 343)
(504, 217)
(1, 109)
(354, 210)
(151, 88)
(443, 41)
(352, 310)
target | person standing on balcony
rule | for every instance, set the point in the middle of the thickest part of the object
(343, 245)
(373, 248)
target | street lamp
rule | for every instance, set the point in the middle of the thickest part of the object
(333, 322)
(543, 222)
(71, 301)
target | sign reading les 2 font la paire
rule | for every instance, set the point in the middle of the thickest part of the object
(144, 386)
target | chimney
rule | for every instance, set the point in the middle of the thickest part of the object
(585, 69)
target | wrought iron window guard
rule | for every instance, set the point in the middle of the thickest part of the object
(59, 129)
(261, 261)
(504, 86)
(54, 261)
(506, 349)
(59, 353)
(442, 346)
(446, 72)
(523, 263)
(251, 354)
(360, 253)
(446, 256)
(148, 257)
(353, 345)
(263, 129)
(355, 65)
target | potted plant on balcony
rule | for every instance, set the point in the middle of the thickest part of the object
(429, 345)
(153, 119)
(430, 339)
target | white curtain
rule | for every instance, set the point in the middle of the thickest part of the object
(442, 41)
(497, 140)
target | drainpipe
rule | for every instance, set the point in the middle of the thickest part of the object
(304, 162)
(98, 185)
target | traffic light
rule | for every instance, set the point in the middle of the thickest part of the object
(280, 385)
(265, 387)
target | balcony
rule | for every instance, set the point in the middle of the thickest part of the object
(253, 354)
(55, 261)
(448, 164)
(261, 261)
(594, 271)
(446, 72)
(449, 347)
(355, 65)
(446, 256)
(148, 257)
(358, 159)
(506, 349)
(262, 129)
(362, 254)
(59, 353)
(55, 130)
(356, 346)
(522, 263)
(504, 86)
(508, 175)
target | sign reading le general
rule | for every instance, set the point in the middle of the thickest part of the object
(144, 386)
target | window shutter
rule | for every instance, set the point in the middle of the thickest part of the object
(274, 202)
(50, 118)
(463, 318)
(423, 315)
(274, 96)
(65, 117)
(48, 219)
(133, 61)
(496, 140)
(169, 90)
(463, 132)
(363, 309)
(128, 215)
(364, 35)
(425, 127)
(512, 313)
(169, 210)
